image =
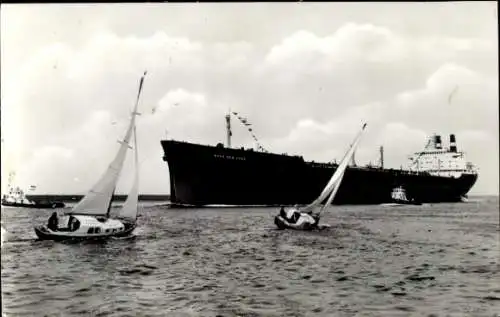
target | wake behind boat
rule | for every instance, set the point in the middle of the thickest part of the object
(90, 218)
(304, 219)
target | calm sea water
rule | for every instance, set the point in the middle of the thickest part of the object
(431, 260)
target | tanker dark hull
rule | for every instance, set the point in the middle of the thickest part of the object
(204, 175)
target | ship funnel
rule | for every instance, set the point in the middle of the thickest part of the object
(453, 143)
(437, 142)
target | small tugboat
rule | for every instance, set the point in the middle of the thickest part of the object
(90, 218)
(304, 219)
(17, 198)
(398, 196)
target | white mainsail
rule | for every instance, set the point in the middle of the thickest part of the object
(332, 195)
(334, 182)
(129, 208)
(97, 201)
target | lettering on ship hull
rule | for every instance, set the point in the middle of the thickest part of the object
(230, 157)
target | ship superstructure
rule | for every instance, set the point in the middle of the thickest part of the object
(441, 161)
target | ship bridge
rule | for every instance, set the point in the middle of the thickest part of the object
(440, 161)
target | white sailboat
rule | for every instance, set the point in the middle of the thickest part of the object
(303, 219)
(90, 218)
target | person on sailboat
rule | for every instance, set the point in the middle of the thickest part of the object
(309, 215)
(292, 215)
(53, 222)
(282, 212)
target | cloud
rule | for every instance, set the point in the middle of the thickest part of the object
(400, 141)
(450, 96)
(307, 94)
(352, 42)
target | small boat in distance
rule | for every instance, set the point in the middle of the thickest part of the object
(16, 197)
(90, 218)
(303, 219)
(399, 197)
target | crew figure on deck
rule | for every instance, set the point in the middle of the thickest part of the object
(53, 222)
(292, 215)
(282, 212)
(295, 218)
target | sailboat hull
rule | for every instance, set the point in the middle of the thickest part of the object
(44, 233)
(282, 224)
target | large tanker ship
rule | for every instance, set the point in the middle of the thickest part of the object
(203, 175)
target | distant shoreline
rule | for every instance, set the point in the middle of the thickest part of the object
(75, 198)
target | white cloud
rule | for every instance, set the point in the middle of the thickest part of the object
(352, 42)
(49, 164)
(454, 98)
(307, 93)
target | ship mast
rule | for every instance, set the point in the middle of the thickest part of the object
(381, 157)
(228, 129)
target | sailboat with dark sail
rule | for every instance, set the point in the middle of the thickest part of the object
(303, 219)
(90, 218)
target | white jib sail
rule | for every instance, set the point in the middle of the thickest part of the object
(332, 195)
(129, 208)
(337, 176)
(98, 199)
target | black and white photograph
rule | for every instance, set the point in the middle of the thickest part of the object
(250, 159)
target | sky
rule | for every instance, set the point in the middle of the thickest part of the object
(306, 75)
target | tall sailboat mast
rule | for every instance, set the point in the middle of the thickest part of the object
(337, 176)
(98, 199)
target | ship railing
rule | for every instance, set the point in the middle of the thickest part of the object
(371, 168)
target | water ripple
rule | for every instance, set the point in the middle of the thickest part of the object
(421, 261)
